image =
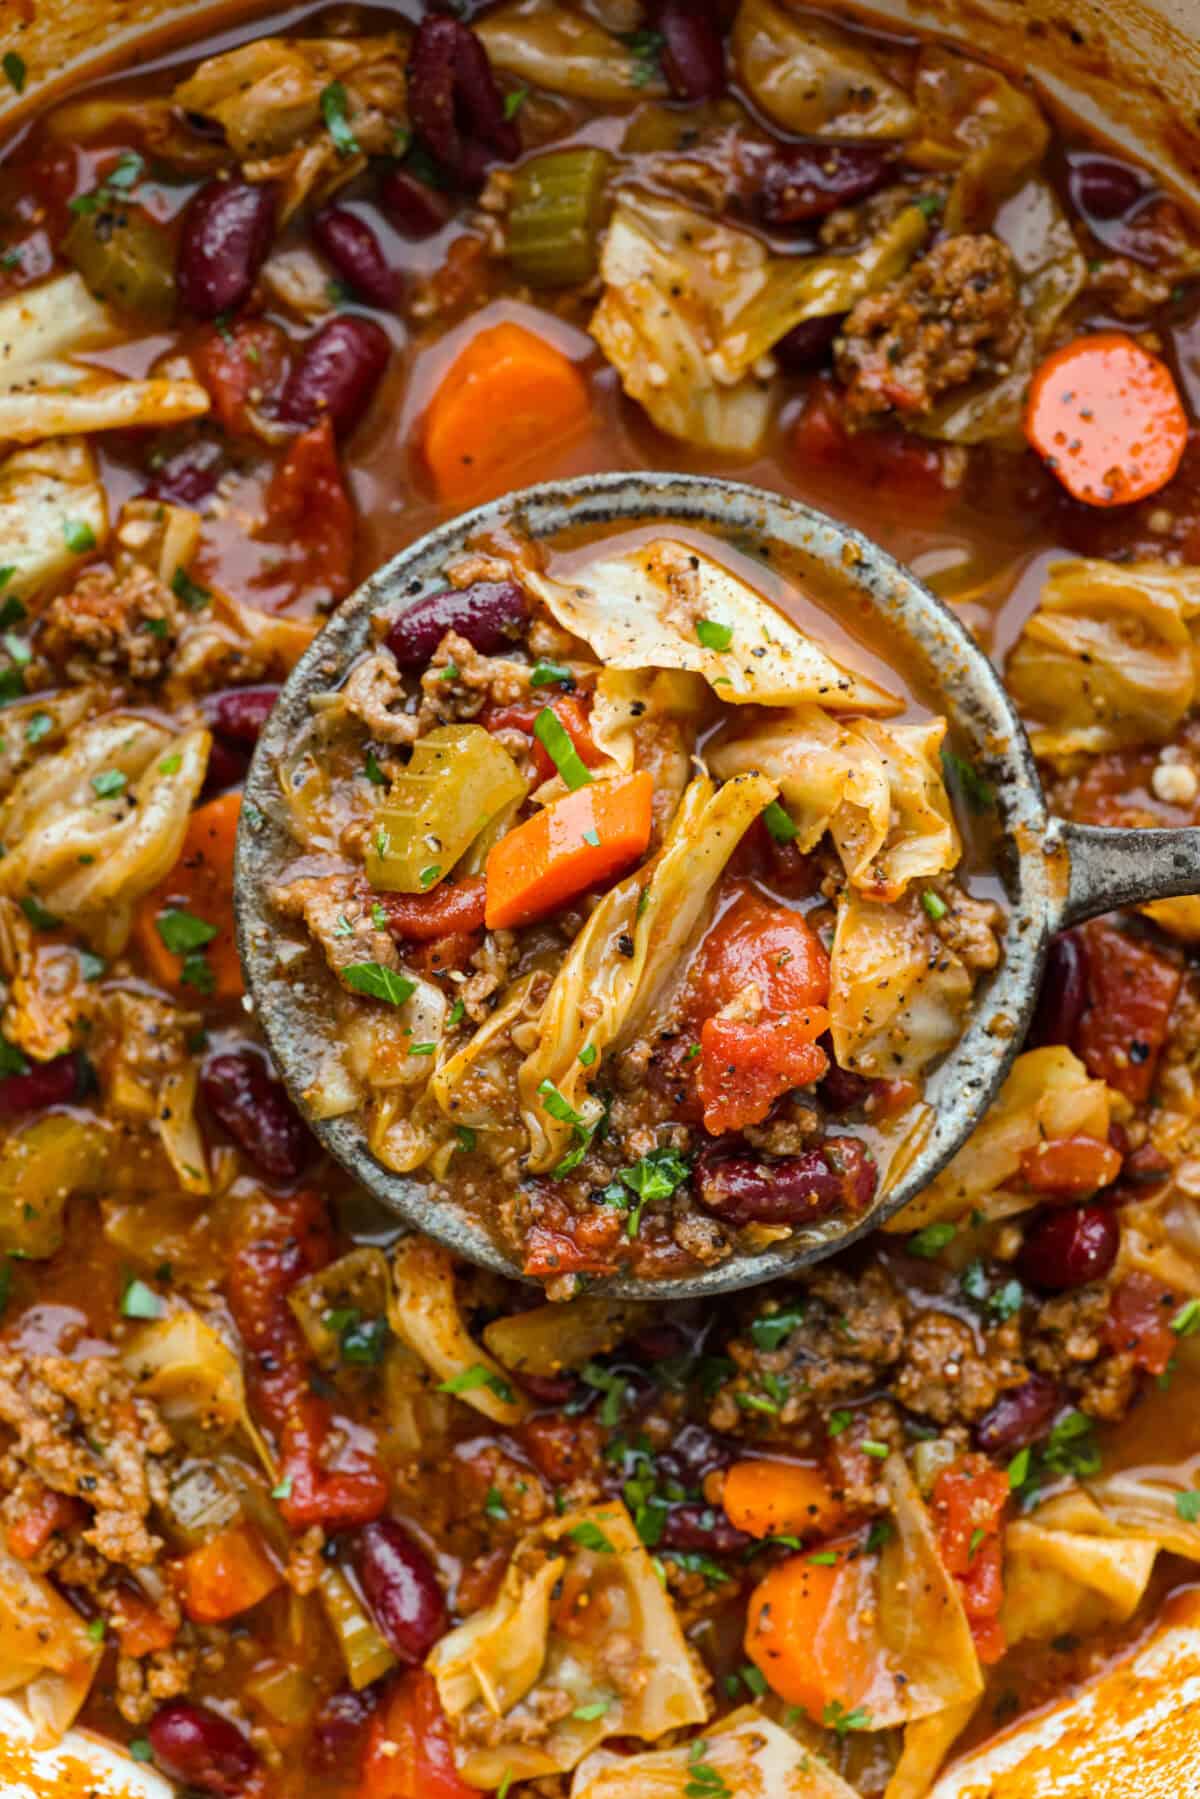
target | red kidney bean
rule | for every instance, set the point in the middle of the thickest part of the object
(700, 1527)
(808, 343)
(191, 475)
(199, 1746)
(402, 1590)
(239, 713)
(54, 1083)
(794, 183)
(338, 1726)
(487, 614)
(694, 1452)
(227, 230)
(454, 103)
(547, 1389)
(1069, 1247)
(839, 1090)
(227, 768)
(338, 372)
(1020, 1416)
(248, 1101)
(693, 55)
(1062, 997)
(1101, 187)
(795, 1190)
(357, 255)
(1145, 1167)
(413, 207)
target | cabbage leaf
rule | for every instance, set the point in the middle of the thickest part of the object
(974, 121)
(44, 491)
(424, 1314)
(501, 1659)
(600, 995)
(46, 1654)
(877, 789)
(898, 995)
(745, 1751)
(545, 44)
(814, 79)
(193, 1375)
(1107, 659)
(669, 606)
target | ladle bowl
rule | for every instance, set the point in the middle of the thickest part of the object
(1055, 873)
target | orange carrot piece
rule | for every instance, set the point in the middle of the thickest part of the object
(140, 1628)
(44, 1517)
(201, 883)
(226, 1575)
(802, 1631)
(1107, 418)
(508, 397)
(576, 843)
(780, 1499)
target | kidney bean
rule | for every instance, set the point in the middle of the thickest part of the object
(227, 768)
(54, 1083)
(702, 1528)
(547, 1389)
(401, 1588)
(1103, 188)
(337, 374)
(808, 343)
(695, 1451)
(838, 1176)
(799, 182)
(413, 207)
(239, 713)
(1062, 997)
(1020, 1416)
(487, 614)
(454, 103)
(191, 475)
(227, 230)
(199, 1746)
(1145, 1167)
(839, 1090)
(693, 55)
(1069, 1247)
(338, 1726)
(357, 255)
(248, 1101)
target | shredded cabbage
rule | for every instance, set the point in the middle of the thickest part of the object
(46, 1655)
(501, 1659)
(814, 79)
(564, 52)
(194, 1377)
(669, 606)
(877, 789)
(1108, 658)
(423, 1312)
(974, 121)
(898, 996)
(746, 1752)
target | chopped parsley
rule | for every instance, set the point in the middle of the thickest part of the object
(703, 1780)
(588, 1713)
(108, 783)
(550, 674)
(712, 635)
(835, 1717)
(182, 932)
(194, 597)
(141, 1301)
(373, 771)
(513, 102)
(1186, 1321)
(558, 1107)
(494, 1506)
(590, 1536)
(36, 913)
(1187, 1507)
(378, 982)
(780, 823)
(14, 71)
(11, 1059)
(337, 123)
(932, 1240)
(78, 536)
(646, 48)
(839, 1422)
(978, 794)
(771, 1329)
(653, 1176)
(475, 1377)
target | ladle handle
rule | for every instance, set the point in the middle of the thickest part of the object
(1110, 868)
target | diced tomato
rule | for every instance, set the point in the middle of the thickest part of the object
(423, 917)
(1070, 1166)
(141, 1629)
(769, 945)
(744, 1067)
(46, 1516)
(1139, 1321)
(571, 714)
(968, 1502)
(309, 513)
(276, 1242)
(1131, 990)
(241, 366)
(566, 1242)
(912, 472)
(452, 951)
(410, 1752)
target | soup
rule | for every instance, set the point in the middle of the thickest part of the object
(295, 1499)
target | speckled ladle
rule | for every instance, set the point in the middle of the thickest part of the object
(1055, 874)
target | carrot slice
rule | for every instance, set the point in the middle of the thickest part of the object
(572, 845)
(200, 886)
(508, 397)
(780, 1499)
(804, 1635)
(1106, 416)
(226, 1575)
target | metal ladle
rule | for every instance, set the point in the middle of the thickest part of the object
(1055, 873)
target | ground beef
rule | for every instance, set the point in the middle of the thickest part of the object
(1067, 1339)
(123, 626)
(955, 315)
(944, 1377)
(375, 695)
(530, 1722)
(144, 1683)
(340, 913)
(460, 682)
(81, 1428)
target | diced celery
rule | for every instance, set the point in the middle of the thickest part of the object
(126, 260)
(555, 218)
(459, 778)
(364, 1651)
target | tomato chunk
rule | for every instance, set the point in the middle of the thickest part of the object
(1131, 990)
(969, 1499)
(410, 1754)
(744, 1067)
(1139, 1321)
(764, 944)
(309, 512)
(241, 366)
